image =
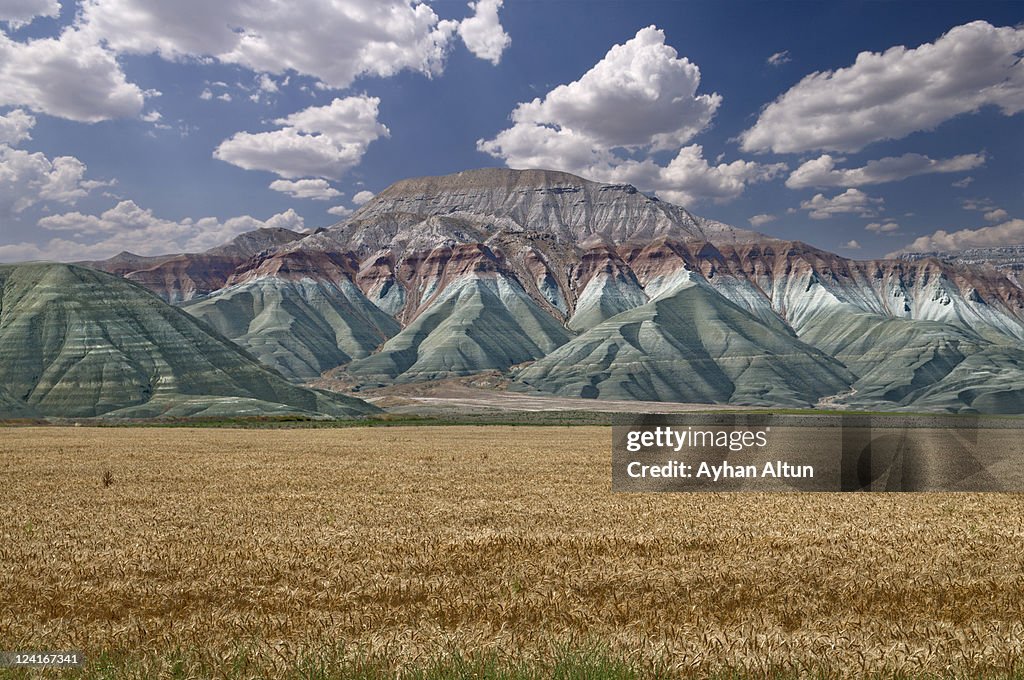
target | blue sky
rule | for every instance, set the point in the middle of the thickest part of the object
(862, 128)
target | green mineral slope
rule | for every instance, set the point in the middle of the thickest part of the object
(479, 323)
(301, 328)
(690, 345)
(76, 342)
(920, 365)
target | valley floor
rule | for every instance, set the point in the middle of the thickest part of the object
(362, 551)
(455, 400)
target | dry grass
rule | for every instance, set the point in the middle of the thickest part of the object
(245, 552)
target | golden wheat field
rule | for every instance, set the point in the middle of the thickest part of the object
(246, 552)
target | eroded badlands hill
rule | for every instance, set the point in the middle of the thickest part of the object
(77, 342)
(586, 289)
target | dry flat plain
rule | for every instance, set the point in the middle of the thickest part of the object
(366, 551)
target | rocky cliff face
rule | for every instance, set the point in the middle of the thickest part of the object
(1009, 259)
(796, 282)
(606, 292)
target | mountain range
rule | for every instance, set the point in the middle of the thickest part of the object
(582, 289)
(1007, 258)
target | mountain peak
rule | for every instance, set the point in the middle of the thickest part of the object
(570, 208)
(488, 178)
(249, 243)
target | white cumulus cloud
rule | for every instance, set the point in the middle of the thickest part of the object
(689, 178)
(334, 42)
(641, 94)
(482, 33)
(851, 201)
(127, 226)
(978, 204)
(886, 227)
(639, 99)
(1005, 234)
(888, 95)
(762, 219)
(316, 189)
(822, 171)
(29, 178)
(15, 127)
(77, 75)
(266, 83)
(362, 197)
(70, 76)
(990, 211)
(18, 13)
(320, 141)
